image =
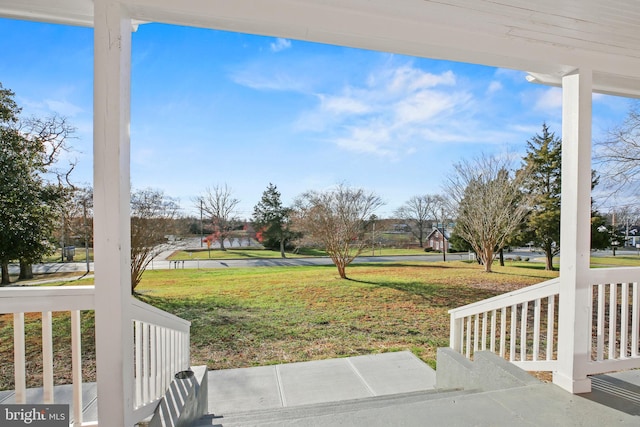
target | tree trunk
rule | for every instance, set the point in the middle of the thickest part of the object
(488, 260)
(549, 261)
(548, 255)
(5, 274)
(501, 257)
(26, 270)
(222, 248)
(342, 270)
(282, 254)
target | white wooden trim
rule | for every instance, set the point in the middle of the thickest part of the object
(76, 366)
(624, 320)
(46, 298)
(523, 331)
(575, 223)
(601, 367)
(530, 293)
(150, 314)
(551, 306)
(19, 358)
(613, 313)
(47, 358)
(112, 229)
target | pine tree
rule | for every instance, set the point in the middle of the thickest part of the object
(271, 218)
(544, 160)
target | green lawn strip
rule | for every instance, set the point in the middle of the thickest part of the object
(616, 261)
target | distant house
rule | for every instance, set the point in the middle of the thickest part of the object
(633, 235)
(437, 240)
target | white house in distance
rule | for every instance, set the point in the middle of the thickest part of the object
(583, 46)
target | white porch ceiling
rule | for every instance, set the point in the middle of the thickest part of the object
(549, 38)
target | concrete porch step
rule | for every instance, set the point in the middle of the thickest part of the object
(531, 405)
(357, 412)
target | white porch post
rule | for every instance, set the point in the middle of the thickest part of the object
(575, 232)
(112, 242)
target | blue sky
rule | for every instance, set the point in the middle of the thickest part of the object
(211, 107)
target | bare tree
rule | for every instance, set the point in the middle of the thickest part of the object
(336, 219)
(152, 219)
(618, 156)
(218, 202)
(77, 219)
(490, 204)
(417, 212)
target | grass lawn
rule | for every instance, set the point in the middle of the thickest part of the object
(267, 315)
(260, 316)
(616, 261)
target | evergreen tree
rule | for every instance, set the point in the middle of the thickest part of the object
(27, 201)
(543, 162)
(272, 219)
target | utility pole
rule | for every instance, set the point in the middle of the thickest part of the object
(444, 243)
(201, 225)
(62, 237)
(373, 240)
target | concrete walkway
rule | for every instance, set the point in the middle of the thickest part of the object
(322, 381)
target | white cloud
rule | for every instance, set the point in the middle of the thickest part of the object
(277, 81)
(548, 99)
(343, 105)
(387, 114)
(494, 86)
(64, 108)
(280, 44)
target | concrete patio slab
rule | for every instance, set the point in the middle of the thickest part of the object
(305, 383)
(393, 373)
(240, 389)
(321, 381)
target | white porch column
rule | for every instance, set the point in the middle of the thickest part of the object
(112, 241)
(575, 232)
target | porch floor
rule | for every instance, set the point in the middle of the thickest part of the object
(387, 389)
(399, 389)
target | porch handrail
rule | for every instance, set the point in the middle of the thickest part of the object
(47, 299)
(522, 322)
(30, 299)
(539, 290)
(161, 349)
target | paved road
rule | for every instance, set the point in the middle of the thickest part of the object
(160, 263)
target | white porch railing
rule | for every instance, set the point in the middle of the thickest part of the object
(161, 344)
(615, 319)
(520, 325)
(45, 300)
